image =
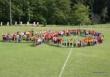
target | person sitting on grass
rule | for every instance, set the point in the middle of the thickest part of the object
(14, 37)
(4, 38)
(67, 33)
(38, 40)
(9, 37)
(100, 39)
(78, 43)
(59, 40)
(17, 38)
(55, 40)
(61, 33)
(28, 34)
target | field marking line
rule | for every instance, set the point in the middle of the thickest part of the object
(64, 65)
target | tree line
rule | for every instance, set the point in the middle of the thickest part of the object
(56, 11)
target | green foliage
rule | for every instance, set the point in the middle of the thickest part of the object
(55, 11)
(80, 14)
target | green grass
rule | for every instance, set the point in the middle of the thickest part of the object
(23, 60)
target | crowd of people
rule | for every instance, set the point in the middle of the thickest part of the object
(17, 37)
(90, 37)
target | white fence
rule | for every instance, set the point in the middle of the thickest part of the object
(35, 24)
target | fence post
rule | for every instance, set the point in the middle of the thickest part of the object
(1, 24)
(15, 23)
(21, 23)
(37, 23)
(7, 23)
(27, 23)
(34, 24)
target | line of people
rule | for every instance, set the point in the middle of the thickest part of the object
(18, 36)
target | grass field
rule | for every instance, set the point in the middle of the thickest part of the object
(23, 60)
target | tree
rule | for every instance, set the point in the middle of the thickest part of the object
(104, 14)
(80, 14)
(56, 11)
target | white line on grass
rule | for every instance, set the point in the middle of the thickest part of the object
(63, 67)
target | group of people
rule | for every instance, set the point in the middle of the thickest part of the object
(30, 36)
(89, 37)
(18, 36)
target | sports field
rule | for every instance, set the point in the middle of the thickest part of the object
(24, 60)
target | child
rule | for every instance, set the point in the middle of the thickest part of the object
(17, 38)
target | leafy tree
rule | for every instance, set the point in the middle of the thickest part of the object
(56, 11)
(80, 14)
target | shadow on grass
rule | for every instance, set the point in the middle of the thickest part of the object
(51, 45)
